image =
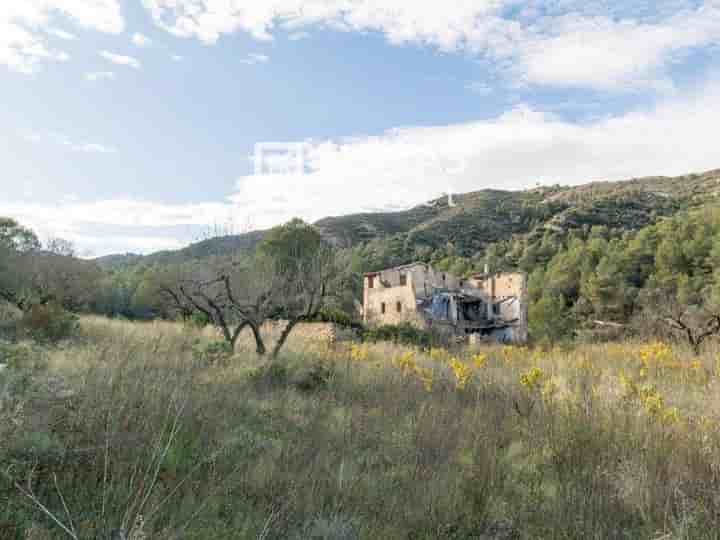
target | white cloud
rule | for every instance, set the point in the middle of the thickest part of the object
(297, 36)
(608, 54)
(62, 34)
(93, 148)
(62, 140)
(23, 47)
(405, 167)
(100, 76)
(176, 58)
(122, 225)
(141, 40)
(121, 59)
(253, 59)
(608, 44)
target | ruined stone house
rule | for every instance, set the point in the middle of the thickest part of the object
(489, 305)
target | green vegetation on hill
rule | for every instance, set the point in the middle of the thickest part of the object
(593, 252)
(480, 219)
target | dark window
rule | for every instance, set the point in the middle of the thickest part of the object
(371, 282)
(403, 280)
(496, 309)
(462, 283)
(382, 308)
(443, 277)
(399, 307)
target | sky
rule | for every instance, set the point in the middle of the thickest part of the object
(141, 125)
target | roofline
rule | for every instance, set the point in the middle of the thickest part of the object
(401, 267)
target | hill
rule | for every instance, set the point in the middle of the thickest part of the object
(481, 218)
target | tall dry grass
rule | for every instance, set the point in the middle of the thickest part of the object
(359, 441)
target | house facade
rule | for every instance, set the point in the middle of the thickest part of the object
(490, 305)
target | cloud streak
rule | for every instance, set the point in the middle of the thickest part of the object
(100, 76)
(141, 40)
(253, 59)
(121, 60)
(24, 47)
(62, 140)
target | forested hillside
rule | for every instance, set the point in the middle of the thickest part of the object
(606, 251)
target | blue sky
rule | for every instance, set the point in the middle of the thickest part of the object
(130, 125)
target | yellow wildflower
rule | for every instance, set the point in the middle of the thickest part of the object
(359, 353)
(671, 415)
(462, 372)
(479, 360)
(532, 378)
(406, 362)
(439, 355)
(651, 399)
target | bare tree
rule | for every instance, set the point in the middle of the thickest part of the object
(290, 278)
(694, 318)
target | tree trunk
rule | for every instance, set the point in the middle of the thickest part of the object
(259, 344)
(283, 337)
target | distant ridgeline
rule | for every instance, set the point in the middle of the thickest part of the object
(589, 250)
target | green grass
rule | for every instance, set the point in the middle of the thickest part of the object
(349, 443)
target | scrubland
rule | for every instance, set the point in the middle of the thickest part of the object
(148, 430)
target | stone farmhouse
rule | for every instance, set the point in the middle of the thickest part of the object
(491, 306)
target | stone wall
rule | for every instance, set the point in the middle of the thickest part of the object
(303, 334)
(391, 298)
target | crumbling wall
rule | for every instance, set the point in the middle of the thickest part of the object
(391, 298)
(505, 296)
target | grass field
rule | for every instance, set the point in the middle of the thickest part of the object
(143, 430)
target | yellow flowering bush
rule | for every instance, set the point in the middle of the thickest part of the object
(671, 415)
(531, 379)
(462, 372)
(406, 362)
(651, 400)
(479, 360)
(439, 355)
(359, 353)
(657, 355)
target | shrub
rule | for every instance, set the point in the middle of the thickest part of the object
(199, 320)
(9, 317)
(273, 374)
(337, 316)
(403, 334)
(49, 323)
(22, 357)
(316, 377)
(217, 352)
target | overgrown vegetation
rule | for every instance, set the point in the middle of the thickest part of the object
(402, 334)
(608, 427)
(128, 433)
